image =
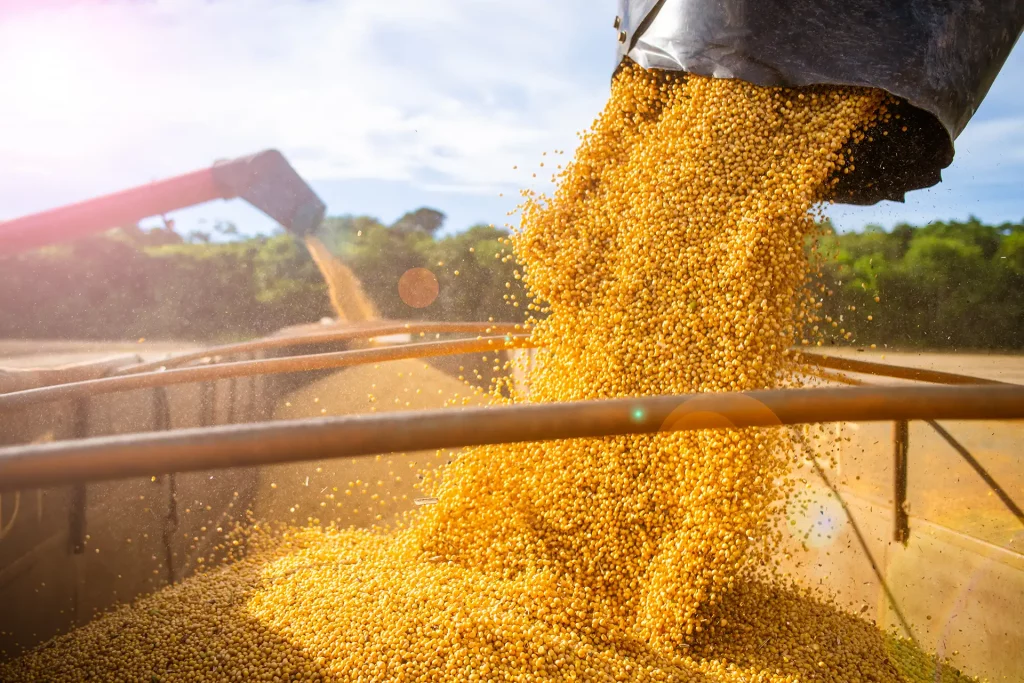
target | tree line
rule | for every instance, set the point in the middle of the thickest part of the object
(942, 285)
(945, 285)
(130, 283)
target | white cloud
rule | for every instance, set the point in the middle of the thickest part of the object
(442, 96)
(986, 143)
(450, 92)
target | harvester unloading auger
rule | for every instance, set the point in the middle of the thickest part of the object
(938, 58)
(265, 180)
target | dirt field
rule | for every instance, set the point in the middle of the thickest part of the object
(997, 366)
(17, 353)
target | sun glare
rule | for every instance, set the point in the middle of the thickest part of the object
(59, 77)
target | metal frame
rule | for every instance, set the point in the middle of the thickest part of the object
(821, 360)
(168, 452)
(901, 443)
(347, 333)
(162, 373)
(901, 451)
(226, 446)
(147, 454)
(981, 471)
(268, 366)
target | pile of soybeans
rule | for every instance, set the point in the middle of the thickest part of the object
(671, 259)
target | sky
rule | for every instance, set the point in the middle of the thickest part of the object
(382, 106)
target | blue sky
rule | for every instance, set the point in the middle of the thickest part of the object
(381, 106)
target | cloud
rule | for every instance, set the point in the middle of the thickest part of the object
(447, 92)
(377, 102)
(987, 146)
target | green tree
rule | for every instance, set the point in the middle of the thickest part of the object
(943, 285)
(379, 259)
(478, 292)
(421, 220)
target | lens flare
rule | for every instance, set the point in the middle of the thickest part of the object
(815, 517)
(418, 287)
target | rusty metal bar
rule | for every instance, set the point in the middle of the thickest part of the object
(232, 399)
(135, 377)
(320, 361)
(348, 334)
(897, 371)
(115, 457)
(79, 492)
(982, 472)
(522, 341)
(162, 422)
(901, 447)
(837, 377)
(207, 404)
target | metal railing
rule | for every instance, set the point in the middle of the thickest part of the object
(168, 452)
(265, 443)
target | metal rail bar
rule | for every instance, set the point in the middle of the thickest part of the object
(897, 371)
(837, 377)
(901, 461)
(116, 457)
(269, 366)
(982, 472)
(819, 362)
(143, 376)
(20, 379)
(813, 360)
(348, 334)
(162, 422)
(79, 493)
